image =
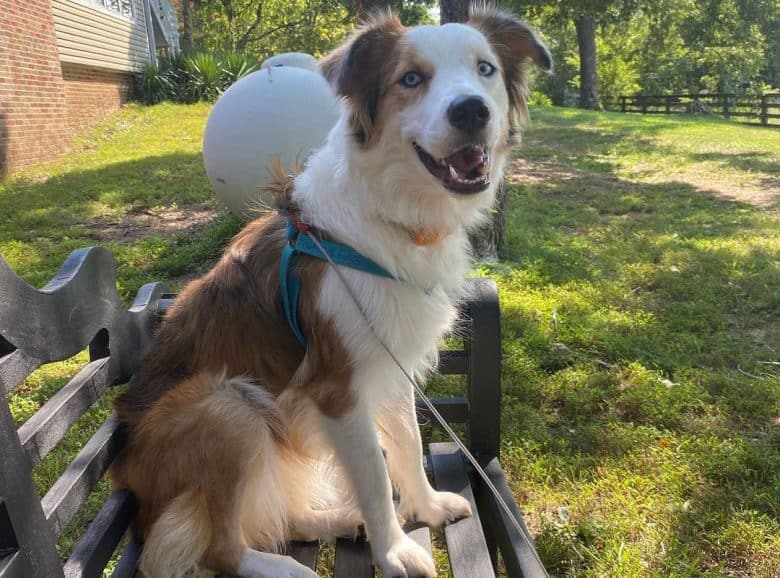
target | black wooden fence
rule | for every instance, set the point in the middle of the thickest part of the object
(763, 110)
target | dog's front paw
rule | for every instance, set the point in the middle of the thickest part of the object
(437, 509)
(406, 559)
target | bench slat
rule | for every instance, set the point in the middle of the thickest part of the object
(50, 423)
(128, 563)
(101, 538)
(68, 494)
(305, 552)
(14, 369)
(353, 559)
(452, 409)
(518, 555)
(466, 546)
(453, 362)
(422, 535)
(13, 566)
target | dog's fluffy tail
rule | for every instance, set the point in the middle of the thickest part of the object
(225, 432)
(177, 541)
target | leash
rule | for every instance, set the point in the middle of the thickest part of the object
(429, 404)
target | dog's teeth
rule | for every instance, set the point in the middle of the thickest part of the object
(454, 174)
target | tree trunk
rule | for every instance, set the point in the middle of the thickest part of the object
(365, 8)
(453, 11)
(186, 21)
(487, 242)
(586, 41)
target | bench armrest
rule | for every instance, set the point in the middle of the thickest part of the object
(483, 345)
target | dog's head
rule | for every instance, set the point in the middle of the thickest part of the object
(443, 100)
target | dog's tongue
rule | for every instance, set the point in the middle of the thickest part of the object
(466, 160)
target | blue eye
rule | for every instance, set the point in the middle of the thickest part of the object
(485, 68)
(411, 79)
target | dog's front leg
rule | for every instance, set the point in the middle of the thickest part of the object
(356, 443)
(403, 445)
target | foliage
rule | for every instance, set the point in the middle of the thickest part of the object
(153, 84)
(200, 77)
(204, 77)
(665, 46)
(267, 27)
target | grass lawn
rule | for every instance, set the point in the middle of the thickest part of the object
(640, 289)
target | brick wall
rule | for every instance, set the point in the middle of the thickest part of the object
(33, 116)
(91, 93)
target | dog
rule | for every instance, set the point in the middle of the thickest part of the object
(240, 435)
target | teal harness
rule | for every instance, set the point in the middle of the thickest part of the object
(299, 242)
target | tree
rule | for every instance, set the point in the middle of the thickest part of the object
(586, 42)
(266, 27)
(186, 22)
(453, 11)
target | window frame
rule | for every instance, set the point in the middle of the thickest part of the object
(102, 7)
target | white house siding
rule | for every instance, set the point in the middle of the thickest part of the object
(94, 37)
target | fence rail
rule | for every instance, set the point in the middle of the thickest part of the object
(763, 110)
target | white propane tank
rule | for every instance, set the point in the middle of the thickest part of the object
(284, 110)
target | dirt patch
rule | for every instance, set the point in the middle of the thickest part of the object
(142, 223)
(764, 194)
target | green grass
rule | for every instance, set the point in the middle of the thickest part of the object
(640, 290)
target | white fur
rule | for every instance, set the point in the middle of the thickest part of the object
(256, 564)
(360, 196)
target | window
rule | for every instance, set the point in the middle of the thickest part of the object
(121, 7)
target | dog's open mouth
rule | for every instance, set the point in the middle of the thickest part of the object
(465, 171)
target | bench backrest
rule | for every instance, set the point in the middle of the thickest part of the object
(81, 308)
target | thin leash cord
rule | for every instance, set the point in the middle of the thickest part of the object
(429, 404)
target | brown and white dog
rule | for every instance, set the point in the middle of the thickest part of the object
(238, 438)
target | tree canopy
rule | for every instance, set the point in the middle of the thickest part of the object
(650, 46)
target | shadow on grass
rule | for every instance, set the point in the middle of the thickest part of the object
(665, 311)
(52, 217)
(67, 199)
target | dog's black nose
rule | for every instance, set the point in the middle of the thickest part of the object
(468, 113)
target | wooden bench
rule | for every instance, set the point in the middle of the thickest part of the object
(80, 308)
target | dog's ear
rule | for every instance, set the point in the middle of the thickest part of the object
(514, 41)
(358, 70)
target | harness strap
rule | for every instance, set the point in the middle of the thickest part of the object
(290, 283)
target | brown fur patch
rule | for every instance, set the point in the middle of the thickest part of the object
(232, 320)
(395, 96)
(360, 71)
(514, 41)
(184, 425)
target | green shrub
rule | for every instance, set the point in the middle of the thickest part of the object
(202, 77)
(153, 84)
(236, 66)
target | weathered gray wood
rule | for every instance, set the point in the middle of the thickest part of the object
(80, 307)
(68, 494)
(61, 319)
(453, 409)
(421, 534)
(128, 563)
(50, 423)
(13, 566)
(518, 554)
(305, 552)
(453, 362)
(14, 368)
(466, 547)
(101, 538)
(484, 347)
(353, 559)
(37, 555)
